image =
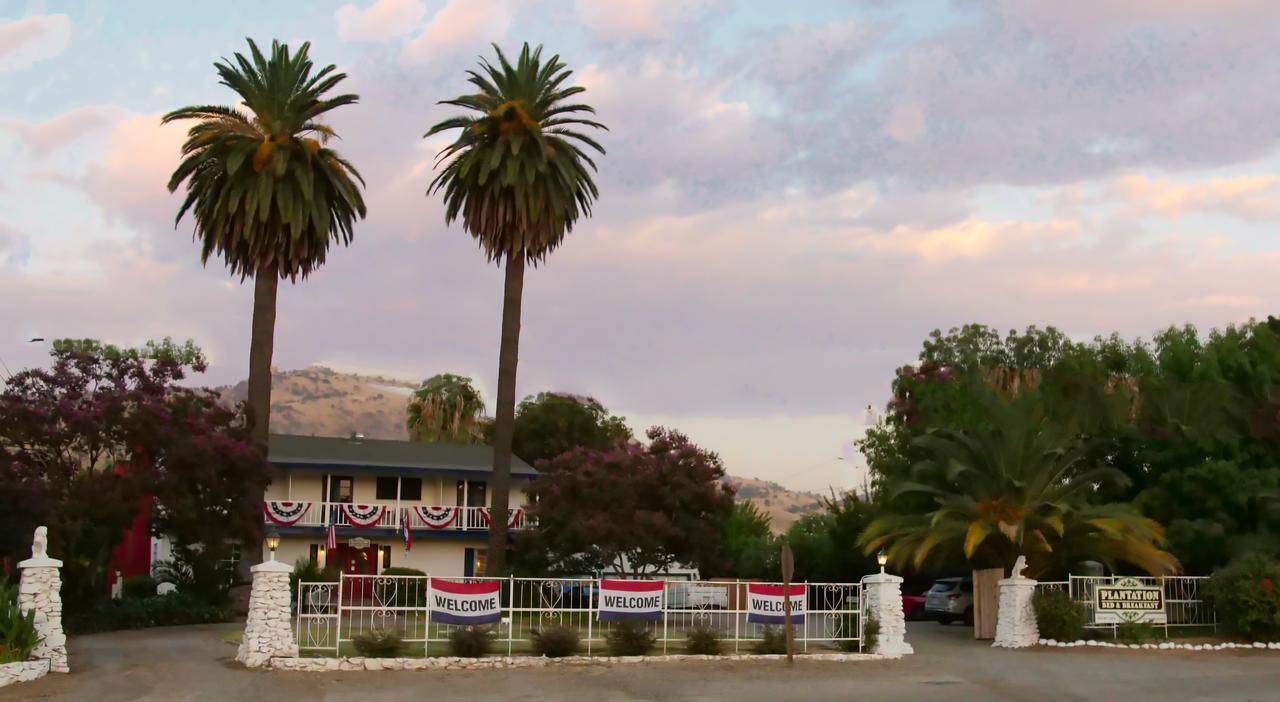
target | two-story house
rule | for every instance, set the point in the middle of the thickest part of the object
(365, 488)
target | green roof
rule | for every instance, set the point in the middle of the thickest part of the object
(321, 451)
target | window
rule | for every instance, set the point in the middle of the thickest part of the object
(482, 555)
(386, 557)
(314, 553)
(411, 489)
(340, 488)
(387, 487)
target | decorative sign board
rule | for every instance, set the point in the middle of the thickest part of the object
(630, 599)
(764, 603)
(1128, 600)
(359, 543)
(465, 603)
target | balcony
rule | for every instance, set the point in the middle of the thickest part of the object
(422, 517)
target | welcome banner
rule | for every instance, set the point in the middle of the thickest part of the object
(465, 603)
(764, 604)
(630, 599)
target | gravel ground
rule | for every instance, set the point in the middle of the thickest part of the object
(194, 663)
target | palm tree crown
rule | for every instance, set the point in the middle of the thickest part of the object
(518, 173)
(266, 192)
(446, 408)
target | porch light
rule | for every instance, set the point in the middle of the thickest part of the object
(883, 559)
(273, 543)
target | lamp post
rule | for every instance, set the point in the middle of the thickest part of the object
(273, 543)
(882, 558)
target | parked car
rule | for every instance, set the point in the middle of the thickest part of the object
(949, 600)
(913, 607)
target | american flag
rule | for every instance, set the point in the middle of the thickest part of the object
(331, 539)
(408, 538)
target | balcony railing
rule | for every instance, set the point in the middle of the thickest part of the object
(422, 517)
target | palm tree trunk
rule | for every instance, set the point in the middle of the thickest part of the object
(261, 345)
(505, 416)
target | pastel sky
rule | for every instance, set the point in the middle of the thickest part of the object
(795, 193)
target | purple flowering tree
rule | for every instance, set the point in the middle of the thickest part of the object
(90, 440)
(635, 508)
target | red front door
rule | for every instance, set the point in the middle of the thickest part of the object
(357, 562)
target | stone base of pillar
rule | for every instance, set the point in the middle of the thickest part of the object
(40, 589)
(267, 630)
(884, 602)
(1016, 622)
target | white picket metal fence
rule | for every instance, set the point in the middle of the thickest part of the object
(329, 615)
(1184, 602)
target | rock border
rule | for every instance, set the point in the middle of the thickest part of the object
(23, 671)
(320, 665)
(1164, 645)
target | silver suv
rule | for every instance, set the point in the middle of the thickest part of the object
(949, 600)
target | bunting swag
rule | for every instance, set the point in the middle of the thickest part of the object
(465, 603)
(764, 604)
(630, 599)
(511, 522)
(437, 517)
(363, 516)
(285, 513)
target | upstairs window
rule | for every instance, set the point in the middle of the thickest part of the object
(387, 488)
(411, 489)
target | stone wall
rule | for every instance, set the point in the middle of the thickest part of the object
(318, 665)
(26, 671)
(268, 630)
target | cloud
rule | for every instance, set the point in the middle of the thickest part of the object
(626, 20)
(31, 39)
(43, 138)
(381, 21)
(460, 25)
(15, 247)
(1255, 198)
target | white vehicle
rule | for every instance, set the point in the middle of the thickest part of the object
(690, 595)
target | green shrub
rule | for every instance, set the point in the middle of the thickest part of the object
(1246, 596)
(629, 637)
(1137, 633)
(18, 635)
(702, 640)
(773, 641)
(870, 636)
(554, 641)
(470, 642)
(398, 570)
(1057, 616)
(161, 610)
(379, 643)
(138, 587)
(306, 571)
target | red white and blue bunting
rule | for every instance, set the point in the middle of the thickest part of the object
(363, 516)
(765, 602)
(285, 513)
(437, 517)
(511, 522)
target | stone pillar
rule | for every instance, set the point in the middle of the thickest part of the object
(40, 589)
(884, 602)
(1016, 618)
(268, 632)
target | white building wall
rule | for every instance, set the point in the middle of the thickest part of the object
(439, 557)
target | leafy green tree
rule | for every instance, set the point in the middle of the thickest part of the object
(446, 408)
(549, 424)
(748, 547)
(1019, 487)
(268, 195)
(519, 177)
(824, 544)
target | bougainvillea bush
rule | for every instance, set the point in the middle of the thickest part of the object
(1246, 596)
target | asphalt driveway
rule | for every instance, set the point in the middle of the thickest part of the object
(194, 663)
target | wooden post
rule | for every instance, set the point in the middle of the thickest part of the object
(786, 601)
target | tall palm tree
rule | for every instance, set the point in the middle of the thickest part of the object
(267, 194)
(1022, 486)
(520, 177)
(446, 408)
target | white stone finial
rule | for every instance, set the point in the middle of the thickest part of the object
(40, 544)
(1019, 566)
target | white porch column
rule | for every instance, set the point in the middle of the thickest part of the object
(1016, 619)
(40, 589)
(268, 631)
(884, 602)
